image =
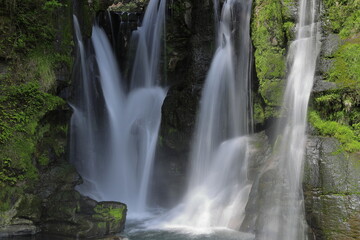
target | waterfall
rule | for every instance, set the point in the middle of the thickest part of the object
(218, 187)
(114, 128)
(283, 217)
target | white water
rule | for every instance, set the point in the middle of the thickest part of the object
(218, 188)
(284, 215)
(114, 131)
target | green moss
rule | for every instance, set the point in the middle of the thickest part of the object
(339, 105)
(43, 160)
(289, 30)
(44, 67)
(21, 108)
(269, 35)
(116, 213)
(8, 196)
(325, 99)
(259, 114)
(32, 22)
(272, 112)
(343, 133)
(27, 40)
(272, 92)
(110, 213)
(346, 68)
(269, 64)
(343, 17)
(101, 225)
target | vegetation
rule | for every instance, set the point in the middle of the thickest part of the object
(346, 67)
(128, 6)
(271, 28)
(25, 24)
(343, 17)
(345, 134)
(336, 112)
(28, 30)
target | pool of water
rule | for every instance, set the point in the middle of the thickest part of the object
(145, 229)
(141, 230)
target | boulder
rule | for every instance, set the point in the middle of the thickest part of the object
(72, 215)
(55, 209)
(18, 227)
(322, 86)
(11, 222)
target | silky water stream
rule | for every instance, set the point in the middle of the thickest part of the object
(218, 187)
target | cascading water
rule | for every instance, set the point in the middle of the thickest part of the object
(283, 217)
(114, 128)
(218, 187)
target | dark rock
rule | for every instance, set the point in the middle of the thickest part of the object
(11, 225)
(330, 44)
(59, 177)
(19, 227)
(72, 215)
(3, 70)
(321, 86)
(337, 172)
(324, 65)
(332, 190)
(58, 210)
(30, 208)
(178, 117)
(334, 216)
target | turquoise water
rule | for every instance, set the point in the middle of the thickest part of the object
(135, 230)
(142, 230)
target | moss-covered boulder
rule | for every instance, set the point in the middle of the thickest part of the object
(72, 215)
(22, 218)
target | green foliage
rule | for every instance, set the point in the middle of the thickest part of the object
(27, 41)
(343, 16)
(27, 22)
(326, 99)
(346, 68)
(259, 115)
(289, 30)
(345, 134)
(52, 5)
(340, 106)
(43, 63)
(21, 108)
(356, 128)
(272, 92)
(269, 35)
(8, 196)
(269, 64)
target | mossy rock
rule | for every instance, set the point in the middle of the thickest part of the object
(30, 208)
(332, 189)
(272, 92)
(72, 215)
(272, 27)
(110, 216)
(128, 6)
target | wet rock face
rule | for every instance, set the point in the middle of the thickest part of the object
(332, 190)
(66, 212)
(70, 214)
(53, 207)
(190, 46)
